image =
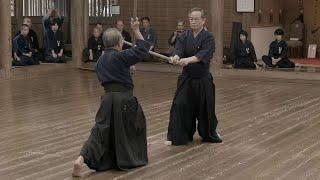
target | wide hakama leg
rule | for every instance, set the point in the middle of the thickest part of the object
(99, 151)
(194, 100)
(285, 63)
(130, 132)
(118, 139)
(182, 124)
(244, 63)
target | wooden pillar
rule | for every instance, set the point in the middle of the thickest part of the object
(134, 15)
(217, 11)
(77, 30)
(86, 22)
(19, 13)
(135, 8)
(5, 37)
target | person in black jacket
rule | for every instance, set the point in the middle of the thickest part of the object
(32, 35)
(125, 34)
(54, 44)
(178, 32)
(278, 53)
(100, 27)
(194, 100)
(22, 49)
(52, 15)
(95, 47)
(245, 55)
(148, 32)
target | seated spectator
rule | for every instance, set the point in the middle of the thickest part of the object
(95, 47)
(149, 34)
(52, 15)
(179, 30)
(100, 27)
(32, 35)
(125, 34)
(278, 53)
(22, 49)
(127, 37)
(245, 55)
(54, 44)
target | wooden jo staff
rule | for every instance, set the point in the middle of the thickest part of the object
(151, 52)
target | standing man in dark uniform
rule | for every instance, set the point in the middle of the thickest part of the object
(195, 95)
(118, 139)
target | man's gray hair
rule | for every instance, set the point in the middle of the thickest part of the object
(111, 37)
(180, 21)
(203, 13)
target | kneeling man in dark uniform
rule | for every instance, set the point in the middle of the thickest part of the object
(118, 139)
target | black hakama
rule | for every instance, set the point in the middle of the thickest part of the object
(118, 139)
(194, 99)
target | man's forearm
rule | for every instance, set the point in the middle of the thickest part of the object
(173, 39)
(138, 35)
(193, 59)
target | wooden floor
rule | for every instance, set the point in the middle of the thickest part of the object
(270, 128)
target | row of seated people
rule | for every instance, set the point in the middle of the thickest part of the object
(95, 44)
(245, 57)
(25, 46)
(26, 52)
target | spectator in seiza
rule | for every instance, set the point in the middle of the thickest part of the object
(148, 33)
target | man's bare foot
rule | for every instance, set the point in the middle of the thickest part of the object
(168, 143)
(258, 67)
(78, 166)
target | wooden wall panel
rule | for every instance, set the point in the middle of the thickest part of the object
(312, 21)
(250, 19)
